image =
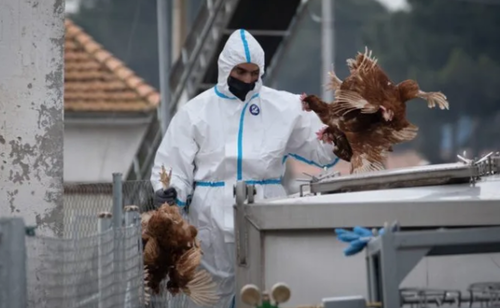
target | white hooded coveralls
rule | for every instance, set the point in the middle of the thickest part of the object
(215, 140)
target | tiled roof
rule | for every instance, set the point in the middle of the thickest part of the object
(95, 81)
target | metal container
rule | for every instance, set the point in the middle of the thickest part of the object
(293, 240)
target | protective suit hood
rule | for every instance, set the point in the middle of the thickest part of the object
(241, 47)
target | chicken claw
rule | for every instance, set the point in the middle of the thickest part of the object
(434, 98)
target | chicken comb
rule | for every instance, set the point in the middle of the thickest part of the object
(165, 177)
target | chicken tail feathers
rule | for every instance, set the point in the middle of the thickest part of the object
(202, 290)
(363, 61)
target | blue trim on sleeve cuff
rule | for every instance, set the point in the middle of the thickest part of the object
(284, 159)
(312, 163)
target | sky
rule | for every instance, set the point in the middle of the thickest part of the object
(394, 4)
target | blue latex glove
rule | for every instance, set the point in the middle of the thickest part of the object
(357, 239)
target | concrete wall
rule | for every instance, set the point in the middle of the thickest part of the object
(31, 111)
(93, 152)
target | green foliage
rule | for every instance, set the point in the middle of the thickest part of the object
(351, 17)
(449, 46)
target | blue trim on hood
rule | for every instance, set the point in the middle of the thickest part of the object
(245, 45)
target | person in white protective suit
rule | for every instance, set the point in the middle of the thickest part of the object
(238, 130)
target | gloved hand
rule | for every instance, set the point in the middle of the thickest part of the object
(161, 196)
(357, 239)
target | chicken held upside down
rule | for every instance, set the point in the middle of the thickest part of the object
(171, 251)
(368, 115)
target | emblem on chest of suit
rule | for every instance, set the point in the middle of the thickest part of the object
(254, 109)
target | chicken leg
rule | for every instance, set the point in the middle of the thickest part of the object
(434, 98)
(409, 89)
(315, 104)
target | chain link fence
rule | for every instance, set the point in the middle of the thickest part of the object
(98, 261)
(82, 201)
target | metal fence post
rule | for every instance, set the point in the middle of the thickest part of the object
(118, 234)
(13, 285)
(133, 254)
(117, 200)
(104, 227)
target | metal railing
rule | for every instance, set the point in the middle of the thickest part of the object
(186, 73)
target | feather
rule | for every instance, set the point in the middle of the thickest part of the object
(368, 115)
(347, 101)
(188, 262)
(151, 252)
(202, 289)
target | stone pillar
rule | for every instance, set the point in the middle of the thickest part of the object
(31, 112)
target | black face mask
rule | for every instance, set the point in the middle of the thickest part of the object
(239, 88)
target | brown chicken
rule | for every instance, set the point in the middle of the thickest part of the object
(171, 251)
(368, 115)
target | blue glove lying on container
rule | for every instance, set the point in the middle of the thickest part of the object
(357, 239)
